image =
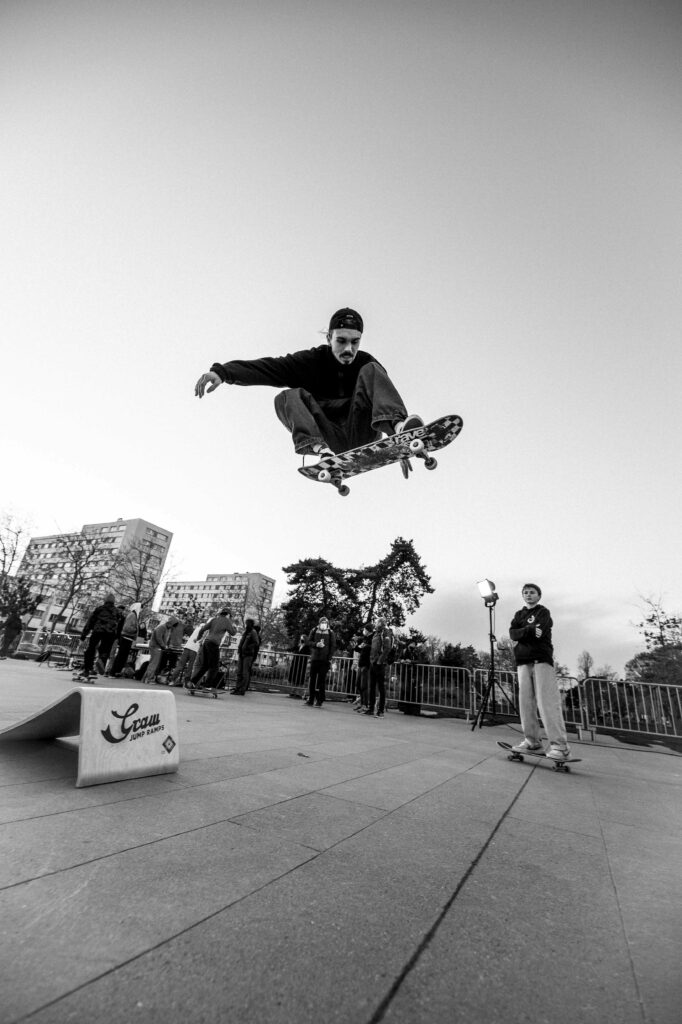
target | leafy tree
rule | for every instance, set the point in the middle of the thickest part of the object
(661, 662)
(395, 586)
(318, 588)
(659, 629)
(459, 656)
(410, 643)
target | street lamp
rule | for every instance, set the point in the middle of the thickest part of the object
(486, 589)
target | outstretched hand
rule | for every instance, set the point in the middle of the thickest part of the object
(206, 383)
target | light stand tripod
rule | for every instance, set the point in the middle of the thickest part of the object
(491, 599)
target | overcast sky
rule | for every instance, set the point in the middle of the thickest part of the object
(496, 187)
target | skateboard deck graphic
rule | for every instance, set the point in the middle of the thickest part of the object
(557, 766)
(416, 443)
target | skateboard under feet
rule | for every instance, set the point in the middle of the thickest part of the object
(417, 443)
(557, 766)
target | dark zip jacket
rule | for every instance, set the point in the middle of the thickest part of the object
(531, 648)
(314, 369)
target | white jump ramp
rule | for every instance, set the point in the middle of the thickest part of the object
(122, 733)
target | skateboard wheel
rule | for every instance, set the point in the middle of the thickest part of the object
(416, 445)
(344, 490)
(324, 476)
(430, 463)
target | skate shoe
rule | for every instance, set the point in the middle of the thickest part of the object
(558, 753)
(527, 747)
(409, 424)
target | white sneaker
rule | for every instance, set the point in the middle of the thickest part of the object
(558, 753)
(411, 423)
(527, 747)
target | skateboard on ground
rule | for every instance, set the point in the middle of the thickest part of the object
(205, 691)
(416, 443)
(557, 766)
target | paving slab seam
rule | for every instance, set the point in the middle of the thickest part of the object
(621, 918)
(158, 945)
(385, 1003)
(232, 820)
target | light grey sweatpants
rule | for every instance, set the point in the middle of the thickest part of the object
(538, 690)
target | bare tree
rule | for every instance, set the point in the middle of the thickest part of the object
(585, 663)
(78, 572)
(135, 575)
(17, 594)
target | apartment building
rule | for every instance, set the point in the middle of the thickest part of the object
(125, 556)
(249, 594)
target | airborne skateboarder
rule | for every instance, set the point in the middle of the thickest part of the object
(335, 396)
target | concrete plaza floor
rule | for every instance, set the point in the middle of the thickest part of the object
(320, 866)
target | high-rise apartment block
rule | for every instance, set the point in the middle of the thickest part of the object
(124, 556)
(248, 593)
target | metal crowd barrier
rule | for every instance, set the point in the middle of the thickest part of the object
(593, 705)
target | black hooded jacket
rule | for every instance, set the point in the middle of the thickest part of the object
(531, 648)
(314, 369)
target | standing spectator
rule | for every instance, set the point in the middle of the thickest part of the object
(363, 650)
(187, 659)
(173, 649)
(13, 628)
(102, 626)
(247, 650)
(158, 645)
(322, 646)
(298, 663)
(380, 652)
(129, 633)
(531, 635)
(212, 632)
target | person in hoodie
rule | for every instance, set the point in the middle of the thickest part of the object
(212, 633)
(322, 643)
(173, 650)
(158, 645)
(247, 650)
(335, 396)
(531, 636)
(128, 637)
(102, 627)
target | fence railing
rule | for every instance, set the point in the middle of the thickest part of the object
(601, 705)
(597, 704)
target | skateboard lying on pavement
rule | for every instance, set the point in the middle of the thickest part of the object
(557, 766)
(205, 691)
(416, 443)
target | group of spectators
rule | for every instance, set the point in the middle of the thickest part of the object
(373, 649)
(195, 658)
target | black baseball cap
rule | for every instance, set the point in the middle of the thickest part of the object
(346, 318)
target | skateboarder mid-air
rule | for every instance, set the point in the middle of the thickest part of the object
(336, 397)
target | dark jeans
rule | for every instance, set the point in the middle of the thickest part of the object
(318, 677)
(244, 673)
(377, 682)
(342, 423)
(168, 662)
(363, 685)
(100, 646)
(209, 666)
(122, 655)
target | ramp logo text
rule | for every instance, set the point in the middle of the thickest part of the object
(132, 728)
